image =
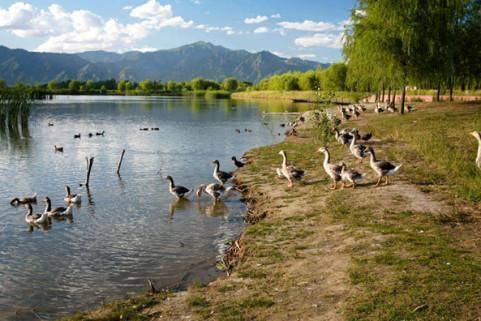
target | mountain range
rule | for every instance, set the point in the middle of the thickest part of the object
(200, 59)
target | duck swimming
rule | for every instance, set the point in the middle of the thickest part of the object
(237, 163)
(382, 168)
(77, 136)
(58, 148)
(35, 218)
(58, 211)
(290, 172)
(220, 176)
(178, 191)
(71, 198)
(26, 200)
(332, 170)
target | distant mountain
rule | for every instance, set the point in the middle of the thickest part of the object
(200, 59)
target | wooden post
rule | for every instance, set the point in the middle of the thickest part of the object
(120, 161)
(89, 169)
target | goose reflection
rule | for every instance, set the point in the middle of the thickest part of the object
(218, 208)
(178, 204)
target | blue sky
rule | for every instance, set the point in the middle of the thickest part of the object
(301, 28)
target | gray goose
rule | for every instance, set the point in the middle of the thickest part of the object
(290, 172)
(26, 200)
(220, 176)
(177, 190)
(332, 170)
(477, 135)
(351, 176)
(357, 150)
(58, 211)
(382, 168)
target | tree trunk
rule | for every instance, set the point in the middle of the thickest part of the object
(389, 95)
(394, 99)
(451, 85)
(439, 91)
(403, 99)
(377, 97)
(383, 92)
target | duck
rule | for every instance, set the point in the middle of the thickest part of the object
(91, 135)
(214, 190)
(290, 172)
(58, 211)
(177, 190)
(102, 133)
(58, 148)
(50, 124)
(477, 135)
(237, 163)
(238, 130)
(350, 176)
(220, 176)
(25, 200)
(382, 168)
(357, 150)
(144, 129)
(77, 136)
(71, 198)
(332, 170)
(342, 138)
(35, 218)
(366, 137)
(155, 128)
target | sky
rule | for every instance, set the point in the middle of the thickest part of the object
(308, 29)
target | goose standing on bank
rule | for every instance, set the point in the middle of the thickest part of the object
(35, 218)
(357, 150)
(350, 176)
(177, 191)
(477, 135)
(71, 198)
(332, 170)
(237, 163)
(290, 172)
(382, 168)
(220, 176)
(26, 200)
(342, 138)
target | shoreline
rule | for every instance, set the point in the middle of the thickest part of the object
(311, 253)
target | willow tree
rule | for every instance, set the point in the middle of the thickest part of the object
(397, 42)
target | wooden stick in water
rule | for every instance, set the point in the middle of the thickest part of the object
(89, 169)
(120, 162)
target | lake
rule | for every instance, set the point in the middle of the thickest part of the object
(128, 228)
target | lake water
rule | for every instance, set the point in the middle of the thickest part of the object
(128, 229)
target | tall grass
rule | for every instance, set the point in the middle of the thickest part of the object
(15, 107)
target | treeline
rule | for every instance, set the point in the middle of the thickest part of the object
(146, 87)
(332, 78)
(430, 44)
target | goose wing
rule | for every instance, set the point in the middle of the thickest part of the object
(180, 190)
(385, 166)
(224, 175)
(335, 168)
(295, 172)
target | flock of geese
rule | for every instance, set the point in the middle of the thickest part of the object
(349, 138)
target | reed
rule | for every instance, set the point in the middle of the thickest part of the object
(15, 106)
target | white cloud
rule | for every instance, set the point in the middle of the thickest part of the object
(196, 1)
(228, 30)
(276, 16)
(306, 56)
(321, 40)
(280, 31)
(127, 8)
(80, 30)
(145, 49)
(281, 54)
(308, 25)
(255, 20)
(261, 30)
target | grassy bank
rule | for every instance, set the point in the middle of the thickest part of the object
(343, 96)
(408, 251)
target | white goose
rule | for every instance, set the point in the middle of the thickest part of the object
(71, 198)
(477, 135)
(332, 170)
(382, 168)
(290, 172)
(216, 191)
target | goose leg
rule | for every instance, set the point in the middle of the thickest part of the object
(378, 181)
(354, 185)
(334, 185)
(387, 180)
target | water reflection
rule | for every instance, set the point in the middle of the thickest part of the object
(128, 227)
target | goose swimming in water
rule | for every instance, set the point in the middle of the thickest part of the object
(77, 136)
(382, 168)
(220, 176)
(71, 198)
(477, 135)
(237, 163)
(26, 200)
(35, 218)
(102, 133)
(58, 211)
(178, 191)
(290, 172)
(58, 148)
(357, 150)
(214, 190)
(332, 170)
(350, 176)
